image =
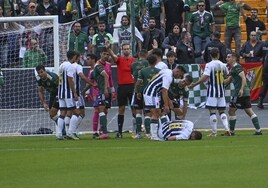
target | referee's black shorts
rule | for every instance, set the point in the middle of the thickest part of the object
(124, 94)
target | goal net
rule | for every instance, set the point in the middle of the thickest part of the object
(20, 107)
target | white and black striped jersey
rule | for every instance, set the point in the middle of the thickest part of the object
(180, 128)
(65, 70)
(78, 69)
(216, 70)
(161, 65)
(161, 80)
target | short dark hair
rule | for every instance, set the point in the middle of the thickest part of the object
(171, 53)
(189, 78)
(101, 22)
(181, 68)
(214, 52)
(77, 53)
(92, 56)
(158, 52)
(197, 135)
(217, 34)
(40, 67)
(152, 59)
(143, 53)
(103, 50)
(71, 54)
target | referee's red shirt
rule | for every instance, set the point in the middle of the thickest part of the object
(124, 70)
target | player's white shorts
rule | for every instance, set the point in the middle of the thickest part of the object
(66, 103)
(151, 102)
(81, 101)
(213, 102)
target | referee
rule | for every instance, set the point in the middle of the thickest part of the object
(125, 82)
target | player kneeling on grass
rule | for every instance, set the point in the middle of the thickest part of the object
(178, 130)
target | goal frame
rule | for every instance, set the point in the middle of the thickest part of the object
(54, 20)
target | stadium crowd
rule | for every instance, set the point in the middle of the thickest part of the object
(182, 30)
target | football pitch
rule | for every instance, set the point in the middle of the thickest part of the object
(239, 161)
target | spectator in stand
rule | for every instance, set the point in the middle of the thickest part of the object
(63, 17)
(252, 49)
(201, 24)
(34, 56)
(254, 24)
(3, 40)
(78, 40)
(125, 83)
(232, 12)
(79, 9)
(215, 43)
(17, 8)
(31, 10)
(139, 7)
(264, 81)
(172, 39)
(171, 60)
(152, 34)
(174, 14)
(185, 51)
(46, 7)
(190, 6)
(106, 13)
(156, 9)
(125, 35)
(99, 39)
(90, 32)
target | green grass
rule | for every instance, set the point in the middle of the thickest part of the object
(239, 161)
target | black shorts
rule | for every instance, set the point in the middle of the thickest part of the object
(104, 101)
(137, 103)
(124, 94)
(240, 102)
(53, 102)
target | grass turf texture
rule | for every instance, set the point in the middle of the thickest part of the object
(239, 161)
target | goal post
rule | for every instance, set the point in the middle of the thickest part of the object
(20, 107)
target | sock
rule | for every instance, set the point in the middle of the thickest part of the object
(138, 122)
(232, 122)
(213, 122)
(80, 118)
(120, 122)
(59, 127)
(134, 124)
(224, 121)
(73, 124)
(67, 120)
(154, 128)
(103, 122)
(255, 121)
(95, 121)
(147, 122)
(163, 119)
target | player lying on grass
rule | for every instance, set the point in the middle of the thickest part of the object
(178, 130)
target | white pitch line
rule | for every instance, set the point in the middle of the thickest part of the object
(122, 148)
